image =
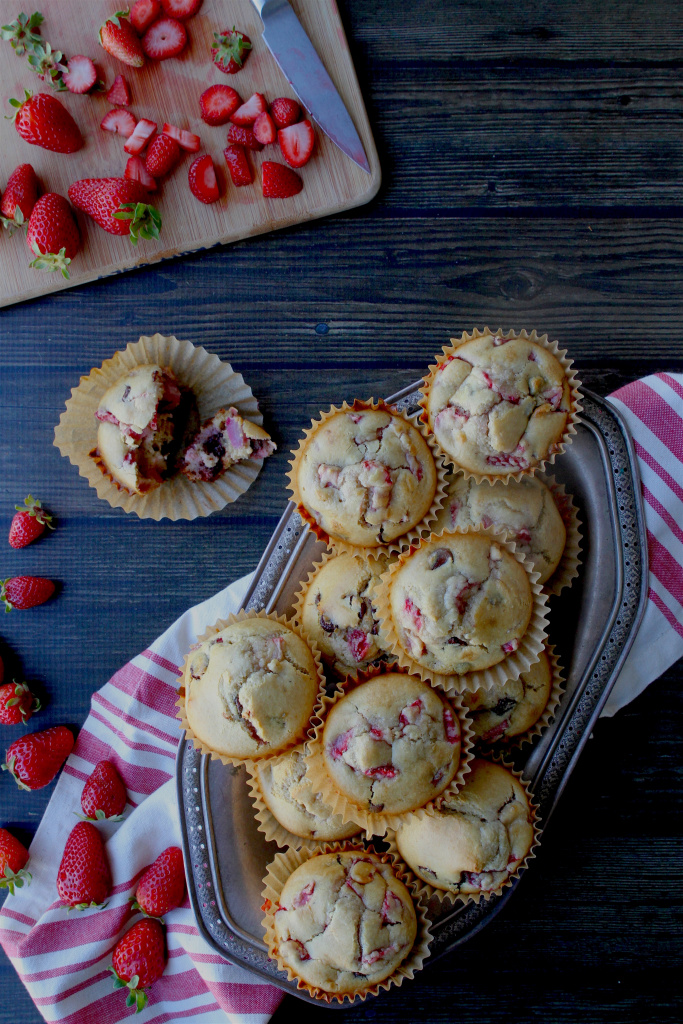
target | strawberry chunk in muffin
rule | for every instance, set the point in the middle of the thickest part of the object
(223, 440)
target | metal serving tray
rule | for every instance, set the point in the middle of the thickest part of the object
(592, 626)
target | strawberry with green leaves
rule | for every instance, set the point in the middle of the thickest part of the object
(84, 877)
(19, 197)
(52, 234)
(17, 703)
(230, 50)
(13, 860)
(118, 205)
(104, 794)
(41, 120)
(119, 38)
(29, 522)
(162, 887)
(34, 760)
(25, 591)
(138, 960)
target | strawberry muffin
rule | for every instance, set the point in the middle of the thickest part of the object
(508, 710)
(499, 404)
(365, 476)
(477, 839)
(524, 509)
(223, 440)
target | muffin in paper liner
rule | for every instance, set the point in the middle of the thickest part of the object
(221, 624)
(568, 568)
(376, 565)
(510, 667)
(449, 351)
(376, 823)
(438, 899)
(498, 736)
(402, 541)
(284, 865)
(215, 385)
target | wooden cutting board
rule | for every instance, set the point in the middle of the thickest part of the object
(169, 91)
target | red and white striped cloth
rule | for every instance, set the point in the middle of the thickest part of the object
(63, 959)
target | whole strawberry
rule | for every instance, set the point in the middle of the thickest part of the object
(138, 960)
(119, 205)
(119, 38)
(19, 198)
(230, 50)
(52, 234)
(25, 591)
(13, 859)
(17, 703)
(104, 794)
(34, 760)
(43, 121)
(162, 887)
(84, 878)
(29, 523)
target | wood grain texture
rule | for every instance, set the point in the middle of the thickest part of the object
(169, 91)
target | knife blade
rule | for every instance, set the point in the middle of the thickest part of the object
(295, 54)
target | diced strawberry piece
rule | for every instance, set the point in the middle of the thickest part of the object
(264, 129)
(383, 771)
(120, 122)
(238, 165)
(181, 9)
(143, 132)
(359, 644)
(450, 728)
(217, 103)
(304, 896)
(296, 143)
(202, 179)
(278, 181)
(162, 156)
(80, 74)
(249, 111)
(340, 744)
(284, 112)
(144, 14)
(119, 94)
(136, 171)
(510, 646)
(243, 137)
(186, 140)
(165, 38)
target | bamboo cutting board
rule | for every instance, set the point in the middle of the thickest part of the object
(169, 91)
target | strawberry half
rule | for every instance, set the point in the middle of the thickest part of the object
(202, 180)
(34, 760)
(217, 103)
(186, 140)
(29, 522)
(80, 75)
(264, 129)
(284, 111)
(52, 234)
(25, 591)
(13, 860)
(238, 165)
(42, 121)
(297, 142)
(119, 38)
(165, 38)
(181, 9)
(20, 197)
(84, 878)
(119, 94)
(144, 130)
(162, 156)
(230, 50)
(279, 182)
(143, 14)
(118, 205)
(243, 137)
(138, 960)
(120, 122)
(249, 111)
(136, 171)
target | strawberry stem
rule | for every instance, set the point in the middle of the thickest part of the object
(51, 261)
(12, 879)
(145, 220)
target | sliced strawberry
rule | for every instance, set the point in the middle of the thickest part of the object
(249, 111)
(166, 38)
(136, 171)
(181, 9)
(186, 140)
(238, 165)
(284, 111)
(119, 94)
(162, 156)
(264, 129)
(217, 103)
(296, 143)
(243, 137)
(121, 122)
(279, 182)
(144, 14)
(80, 74)
(144, 130)
(202, 179)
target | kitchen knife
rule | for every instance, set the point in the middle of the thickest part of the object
(296, 56)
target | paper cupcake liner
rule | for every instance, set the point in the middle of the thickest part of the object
(378, 824)
(405, 540)
(269, 825)
(287, 862)
(444, 898)
(514, 743)
(315, 714)
(215, 385)
(574, 384)
(298, 609)
(568, 567)
(511, 667)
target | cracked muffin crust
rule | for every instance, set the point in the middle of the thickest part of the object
(477, 839)
(499, 404)
(289, 797)
(141, 422)
(512, 708)
(344, 922)
(222, 440)
(250, 689)
(460, 603)
(365, 476)
(337, 611)
(525, 509)
(391, 744)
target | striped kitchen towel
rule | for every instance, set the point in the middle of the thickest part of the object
(63, 959)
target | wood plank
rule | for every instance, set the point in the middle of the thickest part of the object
(170, 92)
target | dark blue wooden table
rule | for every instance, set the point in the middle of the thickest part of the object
(533, 177)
